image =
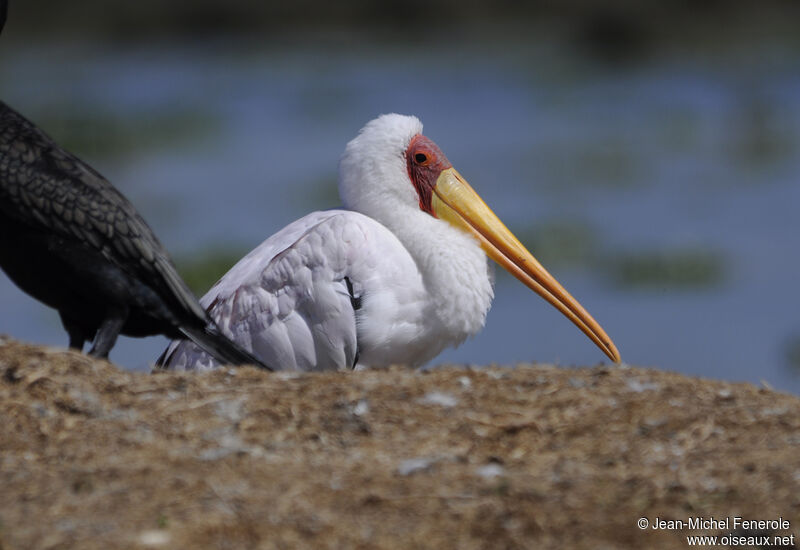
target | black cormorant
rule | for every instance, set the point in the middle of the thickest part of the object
(71, 240)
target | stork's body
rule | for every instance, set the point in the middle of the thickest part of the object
(335, 288)
(396, 277)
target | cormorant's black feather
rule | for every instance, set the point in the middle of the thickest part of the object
(3, 13)
(71, 240)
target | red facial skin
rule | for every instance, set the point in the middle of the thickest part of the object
(425, 161)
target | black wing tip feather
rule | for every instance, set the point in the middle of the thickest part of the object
(219, 346)
(161, 362)
(3, 13)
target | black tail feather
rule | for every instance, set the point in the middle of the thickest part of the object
(220, 347)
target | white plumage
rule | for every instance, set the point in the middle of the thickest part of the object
(381, 282)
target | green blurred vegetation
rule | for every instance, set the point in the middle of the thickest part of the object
(561, 243)
(564, 245)
(792, 352)
(203, 269)
(322, 195)
(610, 162)
(91, 131)
(763, 137)
(674, 269)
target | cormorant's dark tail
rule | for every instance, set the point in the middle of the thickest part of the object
(3, 13)
(220, 347)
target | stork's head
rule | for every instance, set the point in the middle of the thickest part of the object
(391, 169)
(372, 173)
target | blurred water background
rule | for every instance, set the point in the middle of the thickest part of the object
(647, 152)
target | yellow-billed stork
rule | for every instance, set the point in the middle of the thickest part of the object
(395, 277)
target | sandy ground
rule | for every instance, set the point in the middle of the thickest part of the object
(92, 456)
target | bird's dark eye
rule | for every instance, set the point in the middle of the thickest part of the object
(421, 158)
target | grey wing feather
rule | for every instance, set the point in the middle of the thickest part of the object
(287, 301)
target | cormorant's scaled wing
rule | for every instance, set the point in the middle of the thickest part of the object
(44, 186)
